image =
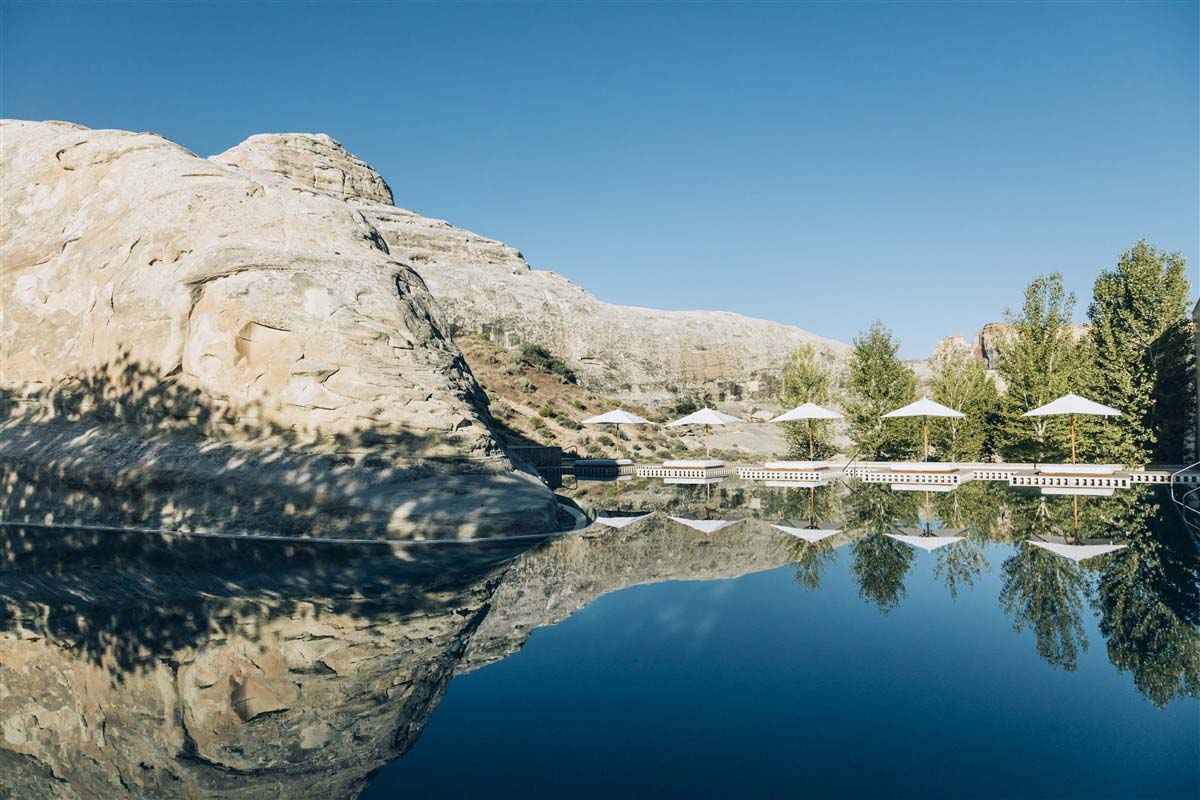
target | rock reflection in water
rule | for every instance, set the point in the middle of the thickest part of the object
(134, 666)
(139, 666)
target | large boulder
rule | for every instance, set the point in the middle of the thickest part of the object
(485, 286)
(180, 296)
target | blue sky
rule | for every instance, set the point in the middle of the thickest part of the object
(821, 165)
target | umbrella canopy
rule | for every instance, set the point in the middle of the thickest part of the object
(617, 417)
(705, 525)
(807, 411)
(922, 540)
(807, 534)
(705, 416)
(1072, 404)
(924, 408)
(619, 522)
(1078, 552)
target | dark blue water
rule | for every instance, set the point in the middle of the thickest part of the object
(758, 686)
(653, 660)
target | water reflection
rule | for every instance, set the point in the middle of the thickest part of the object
(141, 666)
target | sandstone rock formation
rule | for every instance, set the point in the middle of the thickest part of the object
(136, 273)
(987, 343)
(280, 672)
(487, 287)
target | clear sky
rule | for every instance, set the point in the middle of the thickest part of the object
(822, 165)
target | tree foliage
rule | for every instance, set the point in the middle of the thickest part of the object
(961, 381)
(879, 382)
(806, 380)
(1142, 359)
(1039, 362)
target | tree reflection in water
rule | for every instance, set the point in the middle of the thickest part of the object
(975, 508)
(1148, 598)
(1045, 592)
(221, 667)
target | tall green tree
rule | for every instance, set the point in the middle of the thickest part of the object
(880, 382)
(806, 380)
(961, 381)
(1039, 361)
(1141, 345)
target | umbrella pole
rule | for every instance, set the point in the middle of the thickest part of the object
(618, 427)
(812, 506)
(1073, 439)
(707, 451)
(925, 425)
(811, 456)
(1075, 501)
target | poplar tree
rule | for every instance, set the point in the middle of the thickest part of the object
(961, 381)
(806, 380)
(1039, 362)
(1142, 359)
(880, 382)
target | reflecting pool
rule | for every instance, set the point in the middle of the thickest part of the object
(702, 640)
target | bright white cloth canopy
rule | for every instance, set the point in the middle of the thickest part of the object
(619, 522)
(706, 416)
(807, 411)
(929, 543)
(1072, 404)
(924, 408)
(705, 525)
(1078, 552)
(617, 417)
(807, 534)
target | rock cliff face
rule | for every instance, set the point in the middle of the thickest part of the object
(987, 343)
(487, 287)
(138, 275)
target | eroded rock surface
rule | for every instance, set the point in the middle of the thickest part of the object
(181, 293)
(487, 287)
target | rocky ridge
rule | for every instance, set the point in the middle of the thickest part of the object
(203, 301)
(485, 286)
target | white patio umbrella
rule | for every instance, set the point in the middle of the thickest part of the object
(706, 417)
(1072, 404)
(617, 418)
(807, 534)
(809, 412)
(1077, 552)
(915, 537)
(924, 408)
(705, 525)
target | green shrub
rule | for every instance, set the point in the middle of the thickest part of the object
(539, 358)
(547, 410)
(526, 386)
(537, 423)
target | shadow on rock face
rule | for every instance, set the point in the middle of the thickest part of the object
(121, 445)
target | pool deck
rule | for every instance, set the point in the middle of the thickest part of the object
(906, 474)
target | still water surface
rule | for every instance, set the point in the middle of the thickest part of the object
(653, 659)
